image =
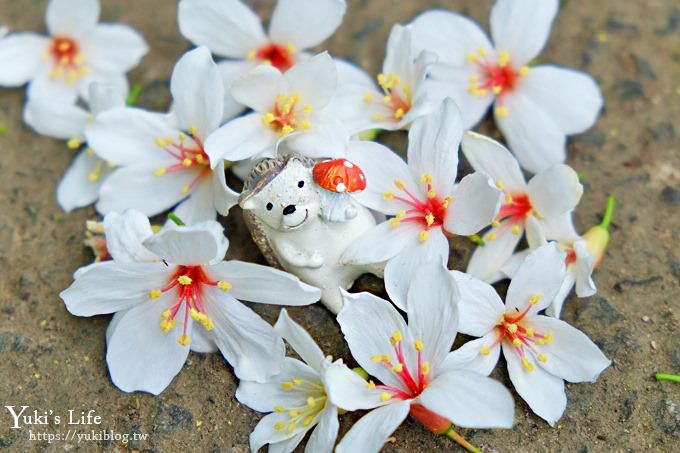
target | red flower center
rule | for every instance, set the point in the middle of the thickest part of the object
(67, 59)
(430, 212)
(498, 77)
(188, 153)
(281, 57)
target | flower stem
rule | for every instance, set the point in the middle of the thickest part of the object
(667, 377)
(609, 213)
(477, 239)
(134, 94)
(175, 219)
(451, 434)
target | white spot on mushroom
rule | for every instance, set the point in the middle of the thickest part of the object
(348, 164)
(361, 176)
(340, 188)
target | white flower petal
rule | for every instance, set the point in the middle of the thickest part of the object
(349, 391)
(488, 259)
(380, 243)
(95, 76)
(560, 228)
(555, 307)
(543, 392)
(479, 305)
(264, 284)
(197, 90)
(305, 24)
(555, 191)
(368, 322)
(111, 287)
(138, 188)
(203, 243)
(469, 357)
(475, 204)
(75, 190)
(300, 340)
(247, 341)
(571, 355)
(532, 135)
(399, 55)
(258, 88)
(451, 36)
(126, 136)
(45, 87)
(104, 96)
(199, 206)
(140, 356)
(433, 143)
(202, 341)
(279, 440)
(432, 302)
(114, 48)
(400, 269)
(370, 433)
(21, 58)
(239, 139)
(446, 81)
(493, 159)
(55, 119)
(324, 435)
(469, 400)
(316, 80)
(326, 138)
(541, 274)
(522, 27)
(228, 28)
(125, 234)
(351, 73)
(571, 98)
(264, 397)
(585, 265)
(509, 269)
(231, 70)
(71, 17)
(534, 232)
(382, 168)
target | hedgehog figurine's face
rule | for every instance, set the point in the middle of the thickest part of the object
(289, 201)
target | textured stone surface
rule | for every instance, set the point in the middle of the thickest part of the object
(54, 361)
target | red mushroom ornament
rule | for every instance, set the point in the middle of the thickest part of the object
(336, 180)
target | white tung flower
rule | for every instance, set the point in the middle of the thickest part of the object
(230, 29)
(422, 197)
(409, 360)
(541, 352)
(296, 397)
(526, 206)
(188, 284)
(291, 107)
(161, 159)
(536, 107)
(78, 51)
(401, 95)
(82, 181)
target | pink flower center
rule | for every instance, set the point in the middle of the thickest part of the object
(187, 282)
(412, 384)
(281, 57)
(286, 116)
(571, 256)
(498, 77)
(188, 154)
(67, 59)
(514, 328)
(396, 99)
(511, 215)
(428, 213)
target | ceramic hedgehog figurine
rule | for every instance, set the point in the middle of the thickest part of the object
(283, 210)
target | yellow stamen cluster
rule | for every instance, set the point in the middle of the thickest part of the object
(535, 298)
(474, 88)
(184, 280)
(484, 350)
(396, 337)
(528, 366)
(425, 368)
(302, 414)
(74, 143)
(423, 236)
(155, 294)
(202, 318)
(167, 324)
(418, 345)
(184, 340)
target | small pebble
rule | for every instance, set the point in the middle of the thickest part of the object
(653, 345)
(645, 318)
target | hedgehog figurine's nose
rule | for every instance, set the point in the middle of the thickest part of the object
(289, 209)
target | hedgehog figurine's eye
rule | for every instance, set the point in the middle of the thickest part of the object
(301, 184)
(269, 206)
